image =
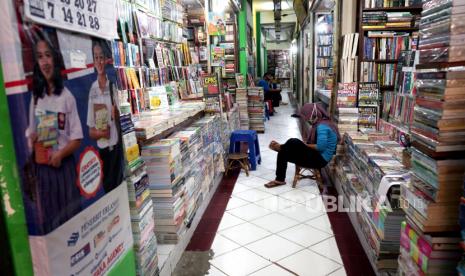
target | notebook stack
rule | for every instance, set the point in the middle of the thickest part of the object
(256, 108)
(242, 100)
(432, 199)
(165, 171)
(191, 145)
(143, 224)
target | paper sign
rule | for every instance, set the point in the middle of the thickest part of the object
(78, 59)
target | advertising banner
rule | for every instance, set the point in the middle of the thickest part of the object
(64, 110)
(88, 244)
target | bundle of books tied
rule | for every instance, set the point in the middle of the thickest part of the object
(47, 124)
(346, 115)
(241, 100)
(382, 19)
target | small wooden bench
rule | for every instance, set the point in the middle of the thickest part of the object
(243, 162)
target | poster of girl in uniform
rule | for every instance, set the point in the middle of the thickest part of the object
(54, 135)
(71, 154)
(102, 118)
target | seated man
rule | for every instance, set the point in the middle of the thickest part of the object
(270, 94)
(316, 153)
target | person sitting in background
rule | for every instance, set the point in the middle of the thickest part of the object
(273, 95)
(315, 153)
(274, 85)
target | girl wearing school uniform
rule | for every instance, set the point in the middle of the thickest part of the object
(54, 134)
(102, 122)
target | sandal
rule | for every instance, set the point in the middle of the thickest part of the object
(275, 146)
(274, 183)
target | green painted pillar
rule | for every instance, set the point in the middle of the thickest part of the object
(11, 195)
(258, 26)
(242, 23)
(265, 59)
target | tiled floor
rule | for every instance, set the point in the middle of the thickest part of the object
(280, 231)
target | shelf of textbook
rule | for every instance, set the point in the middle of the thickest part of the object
(394, 9)
(398, 29)
(168, 266)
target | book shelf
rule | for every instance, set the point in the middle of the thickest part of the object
(324, 43)
(279, 64)
(377, 24)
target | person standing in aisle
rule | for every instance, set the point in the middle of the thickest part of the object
(271, 94)
(54, 135)
(102, 121)
(315, 153)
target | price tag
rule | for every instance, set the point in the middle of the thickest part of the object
(92, 17)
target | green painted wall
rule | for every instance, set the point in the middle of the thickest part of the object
(258, 36)
(11, 195)
(242, 30)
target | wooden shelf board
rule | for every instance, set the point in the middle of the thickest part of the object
(381, 60)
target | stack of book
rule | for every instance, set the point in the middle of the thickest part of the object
(399, 19)
(368, 103)
(374, 20)
(391, 3)
(242, 101)
(432, 199)
(191, 145)
(256, 108)
(423, 254)
(461, 265)
(143, 224)
(165, 171)
(140, 203)
(370, 175)
(347, 112)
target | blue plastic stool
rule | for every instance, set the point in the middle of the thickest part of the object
(251, 137)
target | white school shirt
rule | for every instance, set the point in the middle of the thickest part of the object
(64, 103)
(96, 96)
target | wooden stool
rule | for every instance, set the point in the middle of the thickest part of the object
(241, 158)
(315, 174)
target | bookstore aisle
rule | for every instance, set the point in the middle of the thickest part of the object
(279, 231)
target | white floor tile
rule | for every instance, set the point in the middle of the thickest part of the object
(301, 212)
(321, 223)
(239, 188)
(255, 182)
(298, 196)
(239, 262)
(309, 263)
(253, 195)
(272, 270)
(276, 190)
(249, 212)
(275, 222)
(235, 202)
(275, 203)
(339, 272)
(274, 248)
(245, 233)
(309, 186)
(222, 245)
(304, 235)
(213, 271)
(229, 220)
(328, 248)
